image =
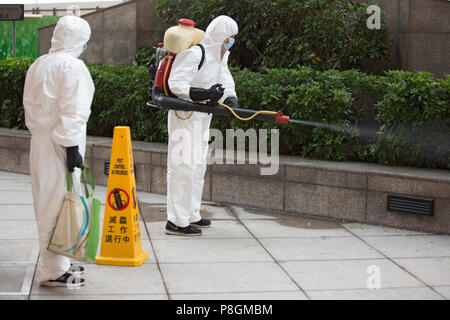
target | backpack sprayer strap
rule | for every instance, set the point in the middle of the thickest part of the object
(166, 76)
(199, 66)
(203, 55)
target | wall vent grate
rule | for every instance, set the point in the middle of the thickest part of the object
(409, 204)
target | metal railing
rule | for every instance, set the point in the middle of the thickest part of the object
(54, 11)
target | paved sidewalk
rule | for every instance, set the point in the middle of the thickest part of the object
(246, 254)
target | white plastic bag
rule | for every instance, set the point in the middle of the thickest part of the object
(76, 234)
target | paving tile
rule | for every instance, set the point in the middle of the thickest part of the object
(151, 198)
(15, 185)
(281, 295)
(220, 229)
(375, 294)
(223, 229)
(147, 246)
(13, 176)
(12, 278)
(364, 230)
(153, 212)
(253, 213)
(18, 230)
(433, 271)
(347, 274)
(210, 250)
(444, 291)
(101, 280)
(100, 194)
(410, 247)
(285, 227)
(17, 212)
(158, 212)
(13, 296)
(225, 278)
(16, 197)
(333, 248)
(100, 297)
(217, 212)
(19, 251)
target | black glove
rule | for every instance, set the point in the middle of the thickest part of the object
(74, 158)
(214, 93)
(231, 102)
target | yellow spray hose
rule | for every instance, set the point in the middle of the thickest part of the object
(249, 118)
(232, 112)
(181, 118)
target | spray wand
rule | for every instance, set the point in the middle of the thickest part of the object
(172, 103)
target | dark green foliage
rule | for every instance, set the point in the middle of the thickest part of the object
(410, 110)
(12, 81)
(144, 55)
(121, 96)
(322, 34)
(415, 118)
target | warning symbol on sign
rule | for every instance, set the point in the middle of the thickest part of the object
(121, 237)
(118, 199)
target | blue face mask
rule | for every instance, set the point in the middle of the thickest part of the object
(84, 48)
(229, 44)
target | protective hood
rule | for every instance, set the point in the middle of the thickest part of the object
(70, 35)
(218, 30)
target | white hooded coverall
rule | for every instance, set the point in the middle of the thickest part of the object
(185, 178)
(57, 98)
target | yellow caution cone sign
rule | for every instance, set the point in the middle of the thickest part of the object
(121, 237)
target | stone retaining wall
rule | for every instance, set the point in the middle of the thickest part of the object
(336, 190)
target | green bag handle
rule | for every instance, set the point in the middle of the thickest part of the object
(69, 181)
(84, 168)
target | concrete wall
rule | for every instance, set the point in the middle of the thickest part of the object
(113, 37)
(117, 33)
(420, 30)
(147, 25)
(335, 190)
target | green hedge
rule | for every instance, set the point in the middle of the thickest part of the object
(411, 110)
(12, 80)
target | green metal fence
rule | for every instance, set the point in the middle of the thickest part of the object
(26, 36)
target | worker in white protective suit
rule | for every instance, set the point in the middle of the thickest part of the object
(57, 98)
(213, 81)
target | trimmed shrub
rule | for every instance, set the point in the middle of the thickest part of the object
(414, 115)
(410, 111)
(12, 81)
